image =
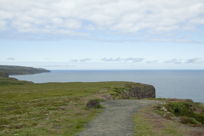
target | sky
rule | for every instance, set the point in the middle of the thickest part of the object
(102, 34)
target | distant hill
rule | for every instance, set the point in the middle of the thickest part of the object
(19, 70)
(4, 74)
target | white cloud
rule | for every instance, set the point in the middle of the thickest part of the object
(2, 24)
(11, 59)
(135, 60)
(131, 60)
(82, 60)
(174, 61)
(185, 61)
(72, 17)
(195, 61)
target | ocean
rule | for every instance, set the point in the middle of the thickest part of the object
(186, 84)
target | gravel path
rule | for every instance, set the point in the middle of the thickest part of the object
(116, 120)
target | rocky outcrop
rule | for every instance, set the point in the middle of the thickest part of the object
(136, 90)
(145, 91)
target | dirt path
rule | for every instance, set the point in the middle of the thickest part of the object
(116, 120)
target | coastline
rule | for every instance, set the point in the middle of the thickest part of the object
(169, 84)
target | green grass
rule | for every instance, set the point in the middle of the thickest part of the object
(54, 109)
(142, 126)
(11, 81)
(147, 123)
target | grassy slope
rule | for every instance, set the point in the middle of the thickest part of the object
(149, 123)
(54, 109)
(11, 81)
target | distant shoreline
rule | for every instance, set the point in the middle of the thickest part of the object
(127, 70)
(169, 84)
(20, 70)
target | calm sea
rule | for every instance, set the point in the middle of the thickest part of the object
(188, 84)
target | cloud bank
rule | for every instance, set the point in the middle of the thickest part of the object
(130, 60)
(113, 63)
(82, 18)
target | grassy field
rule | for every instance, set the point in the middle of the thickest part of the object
(54, 109)
(59, 109)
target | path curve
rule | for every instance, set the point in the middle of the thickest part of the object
(116, 120)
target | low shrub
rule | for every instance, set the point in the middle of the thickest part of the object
(180, 108)
(188, 112)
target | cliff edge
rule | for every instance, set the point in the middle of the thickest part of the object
(134, 90)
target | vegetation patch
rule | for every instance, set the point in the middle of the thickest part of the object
(148, 123)
(120, 93)
(12, 81)
(186, 112)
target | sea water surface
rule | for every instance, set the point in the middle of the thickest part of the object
(187, 84)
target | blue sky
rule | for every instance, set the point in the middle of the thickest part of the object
(104, 34)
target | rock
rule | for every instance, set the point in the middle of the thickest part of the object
(94, 104)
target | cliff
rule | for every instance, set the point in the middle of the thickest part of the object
(142, 91)
(136, 90)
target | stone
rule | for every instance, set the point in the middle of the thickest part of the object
(94, 104)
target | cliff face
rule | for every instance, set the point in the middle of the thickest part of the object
(146, 91)
(136, 90)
